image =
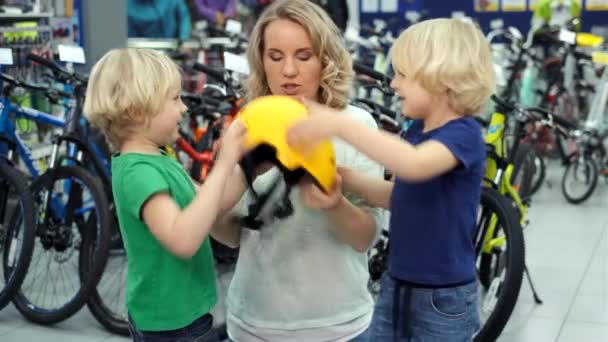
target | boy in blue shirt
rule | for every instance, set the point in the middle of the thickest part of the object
(444, 75)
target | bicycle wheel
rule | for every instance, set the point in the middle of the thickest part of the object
(523, 170)
(108, 302)
(540, 172)
(77, 216)
(505, 267)
(16, 230)
(378, 262)
(579, 179)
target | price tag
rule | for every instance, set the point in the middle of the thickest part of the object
(412, 16)
(600, 58)
(6, 56)
(234, 26)
(497, 24)
(71, 54)
(567, 36)
(236, 63)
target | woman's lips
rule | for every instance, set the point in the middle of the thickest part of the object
(290, 88)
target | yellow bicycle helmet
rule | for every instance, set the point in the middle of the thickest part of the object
(268, 119)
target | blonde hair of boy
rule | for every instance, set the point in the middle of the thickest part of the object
(336, 72)
(448, 55)
(128, 87)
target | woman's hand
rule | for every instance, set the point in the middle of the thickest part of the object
(315, 198)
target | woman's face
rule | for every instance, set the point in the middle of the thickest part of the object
(291, 66)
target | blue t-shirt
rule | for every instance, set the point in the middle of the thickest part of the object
(433, 222)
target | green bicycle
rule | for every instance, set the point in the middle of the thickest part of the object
(499, 242)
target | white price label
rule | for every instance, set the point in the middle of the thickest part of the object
(236, 63)
(567, 36)
(497, 24)
(71, 54)
(6, 56)
(234, 26)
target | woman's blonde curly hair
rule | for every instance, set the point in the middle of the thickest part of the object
(336, 73)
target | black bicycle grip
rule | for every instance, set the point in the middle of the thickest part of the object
(213, 72)
(382, 109)
(508, 106)
(365, 70)
(61, 93)
(201, 99)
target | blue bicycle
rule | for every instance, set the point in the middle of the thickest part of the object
(71, 217)
(107, 302)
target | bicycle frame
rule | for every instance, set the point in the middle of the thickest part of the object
(499, 169)
(9, 131)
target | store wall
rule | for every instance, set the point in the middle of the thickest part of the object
(521, 20)
(445, 8)
(104, 27)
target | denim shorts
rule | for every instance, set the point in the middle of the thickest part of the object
(447, 314)
(201, 330)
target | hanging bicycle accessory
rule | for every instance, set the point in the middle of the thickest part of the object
(267, 120)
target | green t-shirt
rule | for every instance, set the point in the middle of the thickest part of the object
(164, 292)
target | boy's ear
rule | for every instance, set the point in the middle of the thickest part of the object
(137, 117)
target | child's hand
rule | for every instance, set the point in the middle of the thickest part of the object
(232, 149)
(315, 198)
(320, 125)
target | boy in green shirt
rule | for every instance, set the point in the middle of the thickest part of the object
(134, 97)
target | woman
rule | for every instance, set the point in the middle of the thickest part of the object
(304, 278)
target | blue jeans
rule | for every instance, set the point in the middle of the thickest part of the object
(426, 315)
(363, 337)
(201, 330)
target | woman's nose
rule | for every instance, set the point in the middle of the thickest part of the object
(289, 68)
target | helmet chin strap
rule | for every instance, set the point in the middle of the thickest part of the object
(259, 212)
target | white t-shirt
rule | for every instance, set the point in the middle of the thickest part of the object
(294, 279)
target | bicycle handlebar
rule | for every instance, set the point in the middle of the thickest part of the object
(218, 74)
(57, 69)
(367, 71)
(32, 86)
(543, 112)
(382, 109)
(216, 30)
(197, 99)
(556, 118)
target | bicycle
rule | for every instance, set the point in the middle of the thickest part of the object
(16, 216)
(499, 241)
(71, 216)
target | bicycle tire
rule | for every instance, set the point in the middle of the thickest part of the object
(523, 166)
(508, 290)
(11, 178)
(540, 172)
(591, 166)
(100, 236)
(104, 313)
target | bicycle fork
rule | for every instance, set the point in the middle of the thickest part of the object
(537, 299)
